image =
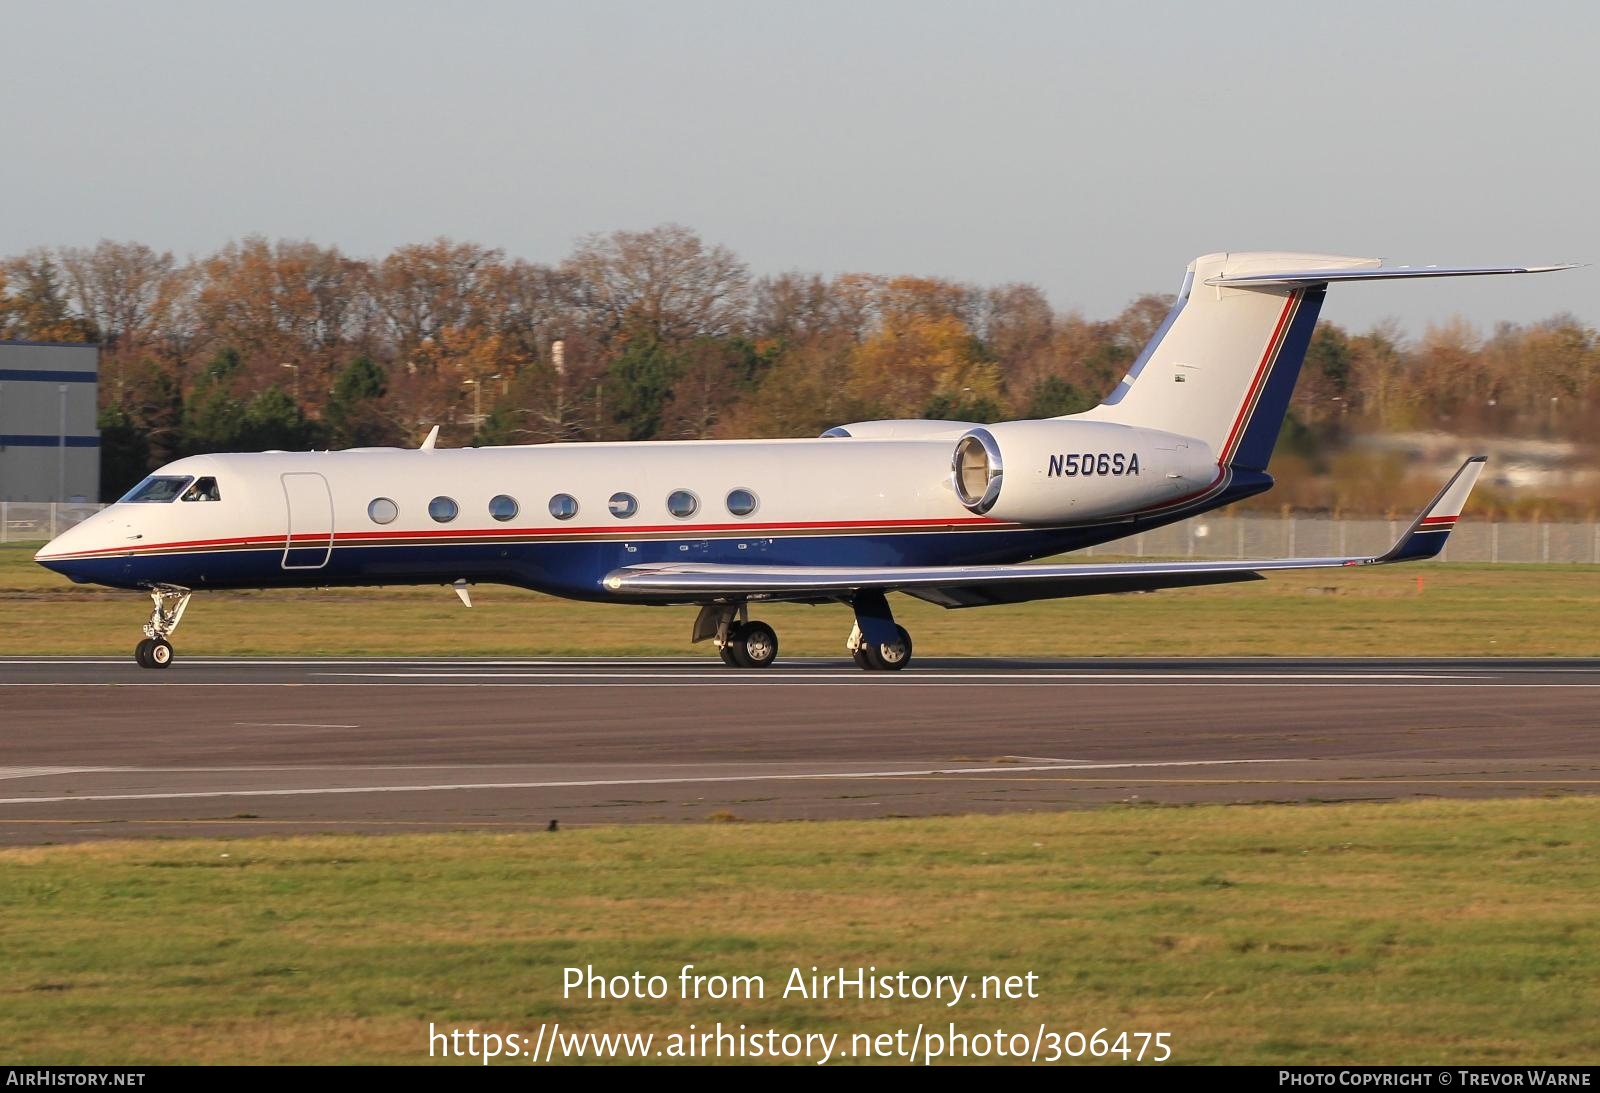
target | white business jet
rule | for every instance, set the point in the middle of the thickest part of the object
(939, 510)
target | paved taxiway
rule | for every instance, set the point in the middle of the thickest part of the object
(98, 748)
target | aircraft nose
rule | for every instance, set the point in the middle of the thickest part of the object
(53, 555)
(65, 554)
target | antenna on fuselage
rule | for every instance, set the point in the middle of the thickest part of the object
(433, 438)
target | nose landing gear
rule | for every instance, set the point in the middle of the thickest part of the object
(155, 651)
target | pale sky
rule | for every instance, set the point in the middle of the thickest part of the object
(1091, 149)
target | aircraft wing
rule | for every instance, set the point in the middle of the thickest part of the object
(972, 586)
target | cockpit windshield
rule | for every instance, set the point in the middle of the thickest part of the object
(157, 489)
(204, 489)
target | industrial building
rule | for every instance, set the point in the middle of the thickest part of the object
(49, 442)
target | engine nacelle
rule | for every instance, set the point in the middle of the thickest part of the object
(1063, 471)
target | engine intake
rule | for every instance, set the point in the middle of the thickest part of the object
(979, 470)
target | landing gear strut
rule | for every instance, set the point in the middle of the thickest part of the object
(741, 643)
(877, 643)
(155, 651)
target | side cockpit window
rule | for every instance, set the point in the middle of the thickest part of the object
(157, 489)
(204, 489)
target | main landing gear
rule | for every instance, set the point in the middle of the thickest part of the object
(749, 645)
(881, 656)
(155, 651)
(876, 643)
(741, 642)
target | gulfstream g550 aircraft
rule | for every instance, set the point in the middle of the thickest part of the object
(939, 510)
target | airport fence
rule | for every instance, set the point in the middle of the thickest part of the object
(1259, 535)
(34, 521)
(1243, 535)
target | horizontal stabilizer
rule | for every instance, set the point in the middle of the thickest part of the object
(972, 586)
(1302, 277)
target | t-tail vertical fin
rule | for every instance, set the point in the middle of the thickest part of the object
(1222, 366)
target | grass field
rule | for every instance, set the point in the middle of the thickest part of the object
(1416, 610)
(1435, 932)
(1432, 932)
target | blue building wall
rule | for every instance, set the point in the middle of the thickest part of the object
(49, 444)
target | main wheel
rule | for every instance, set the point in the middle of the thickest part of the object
(754, 645)
(160, 653)
(141, 652)
(890, 657)
(729, 655)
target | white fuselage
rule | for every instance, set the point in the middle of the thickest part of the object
(558, 517)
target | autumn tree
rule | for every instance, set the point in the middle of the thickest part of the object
(922, 365)
(424, 289)
(39, 303)
(711, 375)
(285, 303)
(805, 391)
(791, 308)
(152, 406)
(666, 282)
(119, 289)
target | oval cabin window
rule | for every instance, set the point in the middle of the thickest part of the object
(683, 504)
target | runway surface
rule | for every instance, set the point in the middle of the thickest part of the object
(99, 748)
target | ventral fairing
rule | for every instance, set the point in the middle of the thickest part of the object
(943, 511)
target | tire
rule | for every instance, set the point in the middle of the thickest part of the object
(141, 653)
(160, 653)
(862, 659)
(756, 646)
(733, 652)
(888, 658)
(901, 656)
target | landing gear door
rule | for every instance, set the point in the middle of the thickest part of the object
(309, 541)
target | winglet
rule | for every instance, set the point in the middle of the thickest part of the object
(1426, 536)
(433, 438)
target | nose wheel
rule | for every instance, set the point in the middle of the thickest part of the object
(155, 651)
